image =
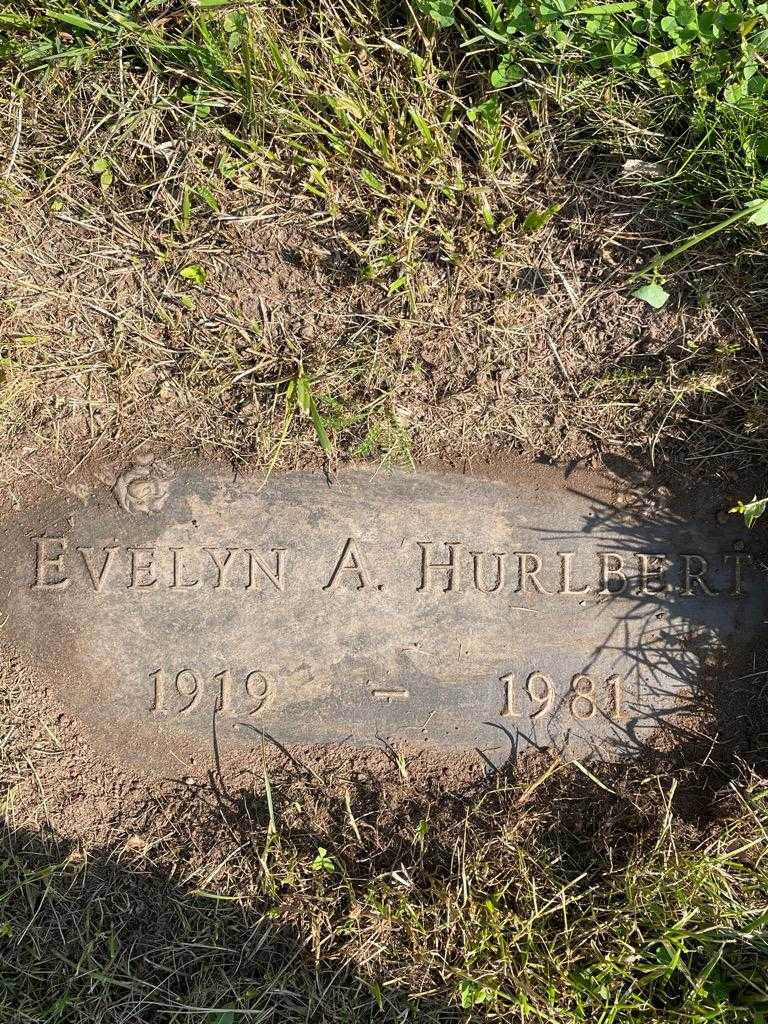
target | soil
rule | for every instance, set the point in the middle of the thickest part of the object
(109, 349)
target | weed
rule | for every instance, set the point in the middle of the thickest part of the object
(751, 510)
(194, 273)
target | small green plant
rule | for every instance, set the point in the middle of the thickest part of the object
(194, 273)
(751, 510)
(440, 11)
(472, 993)
(507, 73)
(538, 218)
(323, 861)
(653, 294)
(300, 390)
(755, 212)
(103, 167)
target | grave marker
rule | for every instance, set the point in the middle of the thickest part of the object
(439, 610)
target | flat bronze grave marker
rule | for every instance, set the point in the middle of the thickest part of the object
(442, 610)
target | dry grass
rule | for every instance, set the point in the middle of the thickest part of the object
(371, 238)
(627, 895)
(531, 349)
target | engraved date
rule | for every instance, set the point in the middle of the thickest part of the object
(583, 701)
(183, 692)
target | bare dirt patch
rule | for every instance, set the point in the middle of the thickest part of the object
(107, 348)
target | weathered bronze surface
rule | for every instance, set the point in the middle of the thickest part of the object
(182, 607)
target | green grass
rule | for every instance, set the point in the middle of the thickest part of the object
(586, 903)
(411, 113)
